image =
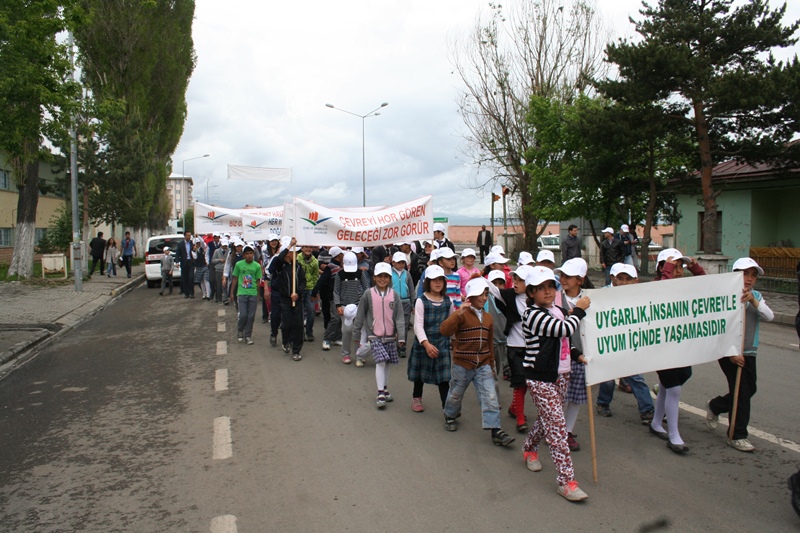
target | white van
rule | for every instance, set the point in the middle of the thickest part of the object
(153, 255)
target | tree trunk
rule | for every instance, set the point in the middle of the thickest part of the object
(706, 166)
(25, 234)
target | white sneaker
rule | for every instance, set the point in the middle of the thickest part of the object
(248, 340)
(572, 492)
(711, 419)
(338, 343)
(388, 396)
(743, 445)
(381, 401)
(359, 363)
(326, 345)
(532, 461)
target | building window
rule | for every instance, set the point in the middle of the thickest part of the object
(40, 232)
(6, 237)
(701, 233)
(5, 180)
(177, 195)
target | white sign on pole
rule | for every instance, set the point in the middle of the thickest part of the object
(667, 324)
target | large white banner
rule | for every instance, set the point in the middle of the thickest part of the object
(257, 222)
(241, 172)
(317, 225)
(667, 324)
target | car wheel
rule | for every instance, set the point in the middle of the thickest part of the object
(151, 284)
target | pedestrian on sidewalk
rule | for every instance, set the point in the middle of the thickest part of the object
(201, 276)
(167, 269)
(756, 309)
(186, 257)
(245, 277)
(111, 255)
(98, 248)
(484, 241)
(611, 252)
(128, 251)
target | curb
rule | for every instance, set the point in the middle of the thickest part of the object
(21, 347)
(129, 285)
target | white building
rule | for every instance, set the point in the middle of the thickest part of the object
(179, 190)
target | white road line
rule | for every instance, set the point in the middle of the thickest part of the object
(786, 443)
(221, 380)
(223, 524)
(795, 345)
(220, 327)
(222, 347)
(221, 312)
(223, 448)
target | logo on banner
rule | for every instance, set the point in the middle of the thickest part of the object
(254, 224)
(211, 215)
(313, 219)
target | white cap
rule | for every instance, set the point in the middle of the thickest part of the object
(383, 268)
(224, 241)
(539, 276)
(166, 249)
(523, 271)
(525, 258)
(350, 262)
(545, 255)
(746, 262)
(335, 251)
(622, 268)
(273, 237)
(350, 311)
(574, 267)
(493, 257)
(248, 247)
(438, 227)
(285, 240)
(434, 254)
(445, 253)
(497, 274)
(400, 256)
(468, 252)
(669, 253)
(476, 287)
(624, 228)
(434, 271)
(497, 249)
(609, 230)
(237, 243)
(357, 249)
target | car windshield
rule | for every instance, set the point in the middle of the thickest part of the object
(550, 240)
(157, 245)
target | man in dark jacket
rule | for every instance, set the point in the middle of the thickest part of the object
(484, 242)
(186, 258)
(611, 251)
(97, 247)
(571, 245)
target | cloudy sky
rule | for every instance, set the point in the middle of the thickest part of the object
(266, 69)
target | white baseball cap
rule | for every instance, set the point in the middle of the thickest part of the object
(522, 271)
(574, 267)
(497, 274)
(525, 258)
(438, 227)
(383, 268)
(669, 253)
(400, 256)
(357, 249)
(746, 262)
(445, 253)
(545, 255)
(497, 249)
(434, 271)
(493, 258)
(273, 237)
(224, 242)
(434, 254)
(248, 247)
(476, 287)
(335, 251)
(350, 311)
(350, 262)
(622, 268)
(624, 227)
(166, 249)
(467, 252)
(609, 230)
(539, 276)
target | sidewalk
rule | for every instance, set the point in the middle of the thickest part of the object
(32, 315)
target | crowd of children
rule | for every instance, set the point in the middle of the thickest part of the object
(471, 326)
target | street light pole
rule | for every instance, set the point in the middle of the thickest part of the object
(363, 144)
(183, 173)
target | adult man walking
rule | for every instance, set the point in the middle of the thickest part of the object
(629, 241)
(484, 242)
(571, 245)
(611, 251)
(98, 248)
(128, 251)
(186, 257)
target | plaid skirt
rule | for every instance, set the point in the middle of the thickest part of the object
(576, 391)
(423, 368)
(384, 352)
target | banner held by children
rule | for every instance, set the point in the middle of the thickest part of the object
(257, 224)
(317, 225)
(653, 326)
(215, 219)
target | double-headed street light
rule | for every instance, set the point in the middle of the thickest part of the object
(363, 145)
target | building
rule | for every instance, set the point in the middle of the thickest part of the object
(179, 190)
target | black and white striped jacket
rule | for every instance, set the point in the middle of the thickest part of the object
(543, 333)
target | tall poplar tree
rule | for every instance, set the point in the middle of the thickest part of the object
(709, 63)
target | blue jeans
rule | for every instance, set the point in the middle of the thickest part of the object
(640, 391)
(484, 389)
(247, 314)
(308, 305)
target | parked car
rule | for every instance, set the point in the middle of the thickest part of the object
(549, 242)
(155, 252)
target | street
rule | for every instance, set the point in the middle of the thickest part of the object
(122, 426)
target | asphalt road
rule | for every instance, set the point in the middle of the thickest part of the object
(113, 429)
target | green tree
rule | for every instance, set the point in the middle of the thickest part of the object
(710, 65)
(36, 96)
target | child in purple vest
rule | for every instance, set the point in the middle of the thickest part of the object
(380, 313)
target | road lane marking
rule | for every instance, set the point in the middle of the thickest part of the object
(222, 347)
(220, 327)
(220, 312)
(223, 524)
(221, 380)
(223, 448)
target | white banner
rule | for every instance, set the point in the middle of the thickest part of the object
(257, 224)
(214, 219)
(317, 225)
(241, 172)
(667, 324)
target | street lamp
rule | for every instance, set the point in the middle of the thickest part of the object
(363, 147)
(183, 173)
(183, 165)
